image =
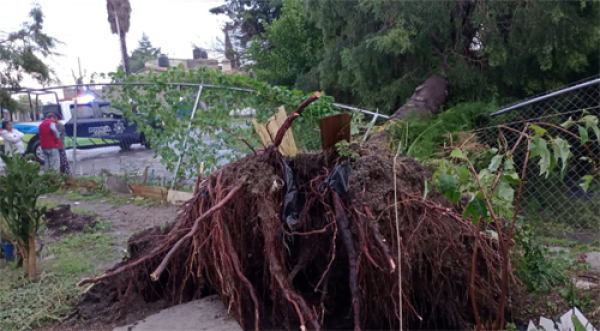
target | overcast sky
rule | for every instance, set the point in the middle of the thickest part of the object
(82, 25)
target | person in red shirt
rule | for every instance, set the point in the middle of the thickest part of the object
(50, 143)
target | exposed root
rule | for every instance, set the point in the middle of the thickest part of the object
(232, 238)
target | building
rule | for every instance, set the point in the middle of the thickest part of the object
(200, 59)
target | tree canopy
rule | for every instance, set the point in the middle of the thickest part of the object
(375, 52)
(23, 51)
(119, 15)
(143, 53)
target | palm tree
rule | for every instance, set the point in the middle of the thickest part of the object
(119, 13)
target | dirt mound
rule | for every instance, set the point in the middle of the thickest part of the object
(104, 302)
(61, 220)
(298, 271)
(317, 241)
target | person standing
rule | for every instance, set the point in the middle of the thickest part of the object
(13, 139)
(64, 162)
(50, 143)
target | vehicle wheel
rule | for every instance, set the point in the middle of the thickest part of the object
(125, 146)
(144, 142)
(36, 149)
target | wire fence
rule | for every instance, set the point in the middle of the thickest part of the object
(106, 142)
(556, 207)
(100, 139)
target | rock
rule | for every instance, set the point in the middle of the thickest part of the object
(116, 184)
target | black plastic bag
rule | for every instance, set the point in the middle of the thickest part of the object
(338, 180)
(291, 208)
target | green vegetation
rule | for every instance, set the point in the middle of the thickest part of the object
(264, 98)
(26, 305)
(20, 188)
(144, 53)
(374, 53)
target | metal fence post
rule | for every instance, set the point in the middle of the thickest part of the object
(74, 138)
(186, 136)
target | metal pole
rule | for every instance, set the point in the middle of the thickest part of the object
(74, 138)
(364, 111)
(186, 136)
(546, 96)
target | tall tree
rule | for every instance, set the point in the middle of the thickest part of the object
(143, 53)
(23, 53)
(289, 50)
(248, 19)
(119, 14)
(376, 52)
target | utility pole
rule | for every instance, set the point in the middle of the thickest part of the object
(75, 119)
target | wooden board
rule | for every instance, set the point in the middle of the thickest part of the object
(334, 128)
(150, 192)
(178, 197)
(268, 131)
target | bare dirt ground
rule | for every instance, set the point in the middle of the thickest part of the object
(127, 219)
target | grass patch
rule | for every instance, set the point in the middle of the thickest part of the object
(27, 305)
(149, 202)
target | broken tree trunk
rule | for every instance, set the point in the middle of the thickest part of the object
(426, 100)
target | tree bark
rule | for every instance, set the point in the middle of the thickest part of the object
(31, 259)
(426, 100)
(124, 54)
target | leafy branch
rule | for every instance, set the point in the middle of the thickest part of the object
(223, 95)
(490, 190)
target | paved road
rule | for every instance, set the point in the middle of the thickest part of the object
(91, 162)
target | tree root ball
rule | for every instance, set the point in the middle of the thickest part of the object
(334, 265)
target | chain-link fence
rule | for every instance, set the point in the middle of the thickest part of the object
(99, 139)
(555, 206)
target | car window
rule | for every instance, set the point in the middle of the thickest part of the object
(83, 112)
(109, 110)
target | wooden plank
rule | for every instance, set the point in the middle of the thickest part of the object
(150, 192)
(268, 131)
(178, 197)
(334, 128)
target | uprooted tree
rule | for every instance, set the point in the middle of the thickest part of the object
(340, 236)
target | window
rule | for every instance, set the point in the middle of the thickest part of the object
(83, 112)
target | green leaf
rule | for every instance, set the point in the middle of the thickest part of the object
(463, 173)
(447, 185)
(504, 191)
(583, 133)
(577, 323)
(590, 121)
(537, 147)
(476, 209)
(427, 189)
(510, 179)
(569, 123)
(596, 132)
(545, 162)
(495, 163)
(457, 153)
(509, 164)
(538, 131)
(585, 182)
(563, 150)
(494, 150)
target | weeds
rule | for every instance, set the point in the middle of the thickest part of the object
(27, 305)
